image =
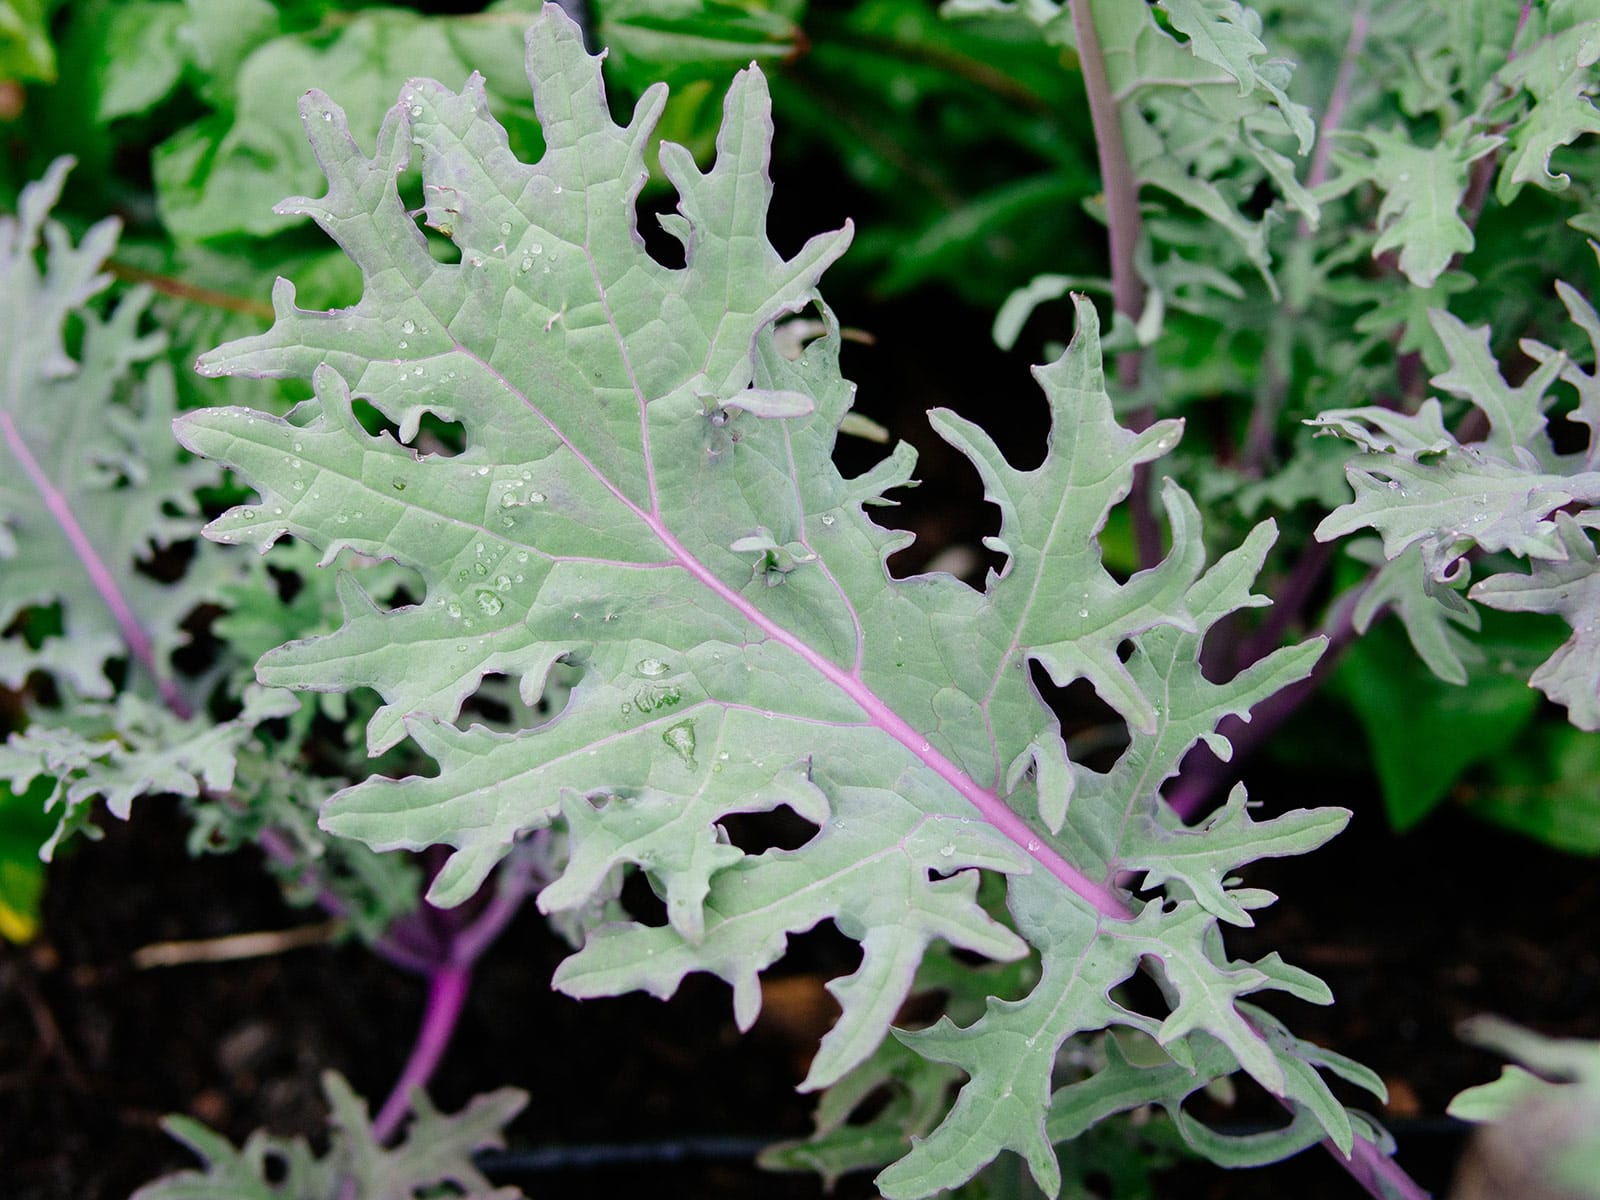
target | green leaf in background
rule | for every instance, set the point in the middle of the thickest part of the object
(143, 59)
(1553, 78)
(24, 828)
(1422, 192)
(1193, 111)
(215, 178)
(1423, 732)
(26, 52)
(654, 40)
(1548, 788)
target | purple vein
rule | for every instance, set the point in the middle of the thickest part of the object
(1102, 898)
(133, 633)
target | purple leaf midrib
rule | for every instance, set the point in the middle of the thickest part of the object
(100, 577)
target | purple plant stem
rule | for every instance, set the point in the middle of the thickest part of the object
(391, 947)
(447, 993)
(100, 577)
(1124, 225)
(1338, 101)
(1376, 1171)
(1263, 429)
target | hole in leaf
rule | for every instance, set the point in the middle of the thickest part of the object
(780, 829)
(286, 583)
(439, 437)
(873, 1103)
(373, 421)
(659, 244)
(1140, 993)
(640, 899)
(437, 228)
(166, 564)
(1095, 732)
(820, 950)
(490, 704)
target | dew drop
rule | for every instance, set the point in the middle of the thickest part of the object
(626, 708)
(828, 520)
(453, 609)
(298, 447)
(680, 740)
(404, 344)
(522, 556)
(327, 116)
(1033, 846)
(461, 648)
(249, 514)
(488, 603)
(483, 471)
(508, 500)
(651, 668)
(416, 110)
(299, 485)
(947, 850)
(558, 189)
(408, 326)
(503, 582)
(505, 228)
(1083, 612)
(479, 569)
(536, 248)
(296, 463)
(535, 497)
(527, 262)
(343, 518)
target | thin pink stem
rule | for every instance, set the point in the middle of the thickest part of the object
(1124, 226)
(100, 577)
(447, 993)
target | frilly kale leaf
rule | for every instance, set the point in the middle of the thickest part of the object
(646, 494)
(436, 1150)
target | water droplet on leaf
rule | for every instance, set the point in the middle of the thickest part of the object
(488, 603)
(680, 740)
(651, 668)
